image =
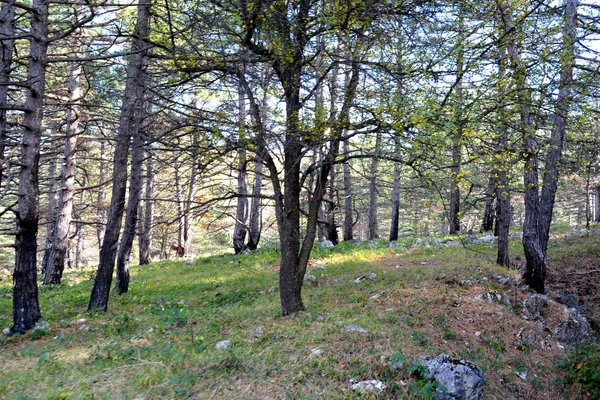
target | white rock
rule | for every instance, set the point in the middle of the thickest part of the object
(375, 296)
(41, 325)
(81, 321)
(522, 374)
(84, 328)
(224, 344)
(6, 331)
(354, 328)
(317, 351)
(372, 385)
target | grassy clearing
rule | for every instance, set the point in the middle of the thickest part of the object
(158, 341)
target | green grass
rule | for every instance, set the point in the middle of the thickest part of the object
(158, 340)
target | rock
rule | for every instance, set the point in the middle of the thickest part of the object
(452, 243)
(395, 365)
(522, 374)
(493, 298)
(527, 338)
(465, 282)
(222, 345)
(354, 328)
(372, 385)
(317, 351)
(310, 279)
(533, 305)
(570, 300)
(190, 262)
(363, 278)
(375, 296)
(81, 321)
(84, 327)
(40, 325)
(6, 331)
(575, 329)
(255, 334)
(462, 379)
(327, 244)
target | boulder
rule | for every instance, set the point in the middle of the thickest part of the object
(363, 278)
(327, 244)
(493, 298)
(461, 378)
(533, 305)
(575, 328)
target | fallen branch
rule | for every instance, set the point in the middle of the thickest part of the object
(584, 273)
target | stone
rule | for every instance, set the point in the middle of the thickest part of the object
(190, 262)
(327, 244)
(522, 374)
(84, 327)
(533, 305)
(372, 385)
(317, 351)
(493, 298)
(375, 296)
(354, 328)
(462, 379)
(222, 345)
(527, 338)
(575, 329)
(6, 331)
(570, 300)
(452, 243)
(310, 279)
(81, 321)
(255, 333)
(363, 278)
(40, 325)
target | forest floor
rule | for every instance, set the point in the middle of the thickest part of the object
(159, 341)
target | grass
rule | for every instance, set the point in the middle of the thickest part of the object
(158, 341)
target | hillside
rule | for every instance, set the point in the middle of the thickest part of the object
(419, 298)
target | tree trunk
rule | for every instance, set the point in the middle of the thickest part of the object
(52, 207)
(145, 238)
(395, 223)
(7, 16)
(188, 217)
(489, 211)
(64, 212)
(101, 210)
(26, 309)
(597, 204)
(347, 227)
(331, 230)
(454, 217)
(132, 103)
(131, 215)
(372, 224)
(255, 226)
(241, 213)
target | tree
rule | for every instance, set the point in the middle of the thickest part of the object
(26, 309)
(132, 104)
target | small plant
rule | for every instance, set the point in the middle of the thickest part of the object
(421, 339)
(583, 367)
(422, 387)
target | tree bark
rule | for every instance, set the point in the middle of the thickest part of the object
(372, 224)
(101, 198)
(489, 211)
(597, 204)
(454, 208)
(52, 207)
(131, 215)
(255, 226)
(348, 206)
(64, 212)
(7, 16)
(132, 102)
(26, 310)
(145, 238)
(395, 223)
(241, 213)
